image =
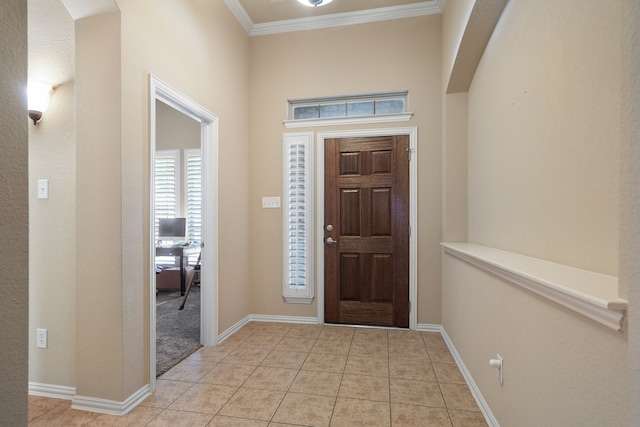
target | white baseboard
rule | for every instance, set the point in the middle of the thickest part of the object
(284, 319)
(429, 327)
(265, 318)
(50, 390)
(233, 329)
(112, 407)
(92, 404)
(484, 407)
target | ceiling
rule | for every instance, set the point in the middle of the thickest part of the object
(261, 17)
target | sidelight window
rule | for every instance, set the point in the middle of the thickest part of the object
(298, 217)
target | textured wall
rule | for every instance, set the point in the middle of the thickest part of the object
(14, 213)
(99, 289)
(543, 151)
(199, 49)
(543, 180)
(52, 222)
(560, 368)
(630, 196)
(391, 55)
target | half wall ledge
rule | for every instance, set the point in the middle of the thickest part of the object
(591, 294)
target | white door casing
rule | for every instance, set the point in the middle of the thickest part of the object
(161, 91)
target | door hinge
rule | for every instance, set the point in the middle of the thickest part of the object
(410, 151)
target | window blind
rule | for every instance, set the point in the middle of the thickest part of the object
(298, 214)
(167, 185)
(193, 191)
(167, 191)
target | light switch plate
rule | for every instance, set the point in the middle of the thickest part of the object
(43, 189)
(270, 202)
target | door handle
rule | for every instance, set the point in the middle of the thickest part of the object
(330, 241)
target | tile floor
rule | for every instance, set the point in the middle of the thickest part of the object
(278, 375)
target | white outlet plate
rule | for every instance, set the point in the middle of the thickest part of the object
(270, 202)
(41, 338)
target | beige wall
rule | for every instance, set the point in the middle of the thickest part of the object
(454, 19)
(543, 157)
(630, 196)
(176, 131)
(100, 346)
(105, 338)
(14, 212)
(560, 369)
(52, 222)
(454, 167)
(199, 49)
(392, 55)
(544, 114)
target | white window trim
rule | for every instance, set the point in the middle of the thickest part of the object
(362, 120)
(292, 295)
(403, 116)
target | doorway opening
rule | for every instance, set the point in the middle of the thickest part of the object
(178, 235)
(208, 143)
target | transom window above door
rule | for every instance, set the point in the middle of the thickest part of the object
(337, 110)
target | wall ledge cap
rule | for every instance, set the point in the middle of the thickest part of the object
(591, 294)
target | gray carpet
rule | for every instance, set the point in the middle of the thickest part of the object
(177, 331)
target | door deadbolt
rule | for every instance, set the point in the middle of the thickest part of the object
(329, 227)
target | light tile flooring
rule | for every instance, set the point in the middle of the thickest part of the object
(275, 374)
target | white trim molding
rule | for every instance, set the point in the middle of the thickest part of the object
(284, 319)
(51, 390)
(591, 294)
(334, 20)
(112, 407)
(363, 120)
(161, 91)
(475, 391)
(265, 318)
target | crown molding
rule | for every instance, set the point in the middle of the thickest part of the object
(335, 20)
(241, 15)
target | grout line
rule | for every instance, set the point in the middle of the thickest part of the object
(255, 332)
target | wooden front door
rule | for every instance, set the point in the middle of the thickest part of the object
(366, 230)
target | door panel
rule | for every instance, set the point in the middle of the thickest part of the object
(367, 206)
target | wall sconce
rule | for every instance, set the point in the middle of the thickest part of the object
(38, 94)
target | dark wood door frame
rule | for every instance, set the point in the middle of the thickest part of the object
(412, 132)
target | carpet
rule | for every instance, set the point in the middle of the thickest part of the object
(177, 331)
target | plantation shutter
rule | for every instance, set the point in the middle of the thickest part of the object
(167, 192)
(167, 185)
(298, 216)
(193, 160)
(193, 191)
